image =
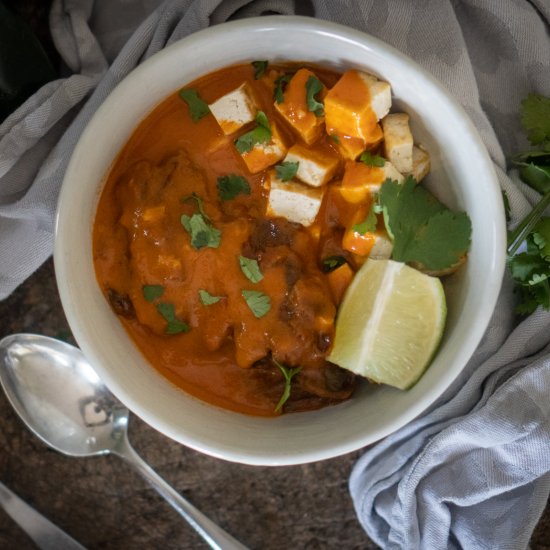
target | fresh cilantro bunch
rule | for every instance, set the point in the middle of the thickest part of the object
(529, 242)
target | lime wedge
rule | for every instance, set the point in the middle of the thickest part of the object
(390, 323)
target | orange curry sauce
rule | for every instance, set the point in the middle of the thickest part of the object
(226, 358)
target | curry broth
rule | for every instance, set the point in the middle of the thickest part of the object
(226, 357)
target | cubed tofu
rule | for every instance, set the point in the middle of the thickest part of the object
(355, 104)
(373, 244)
(235, 109)
(315, 166)
(398, 141)
(350, 148)
(360, 180)
(293, 200)
(295, 110)
(383, 246)
(263, 155)
(421, 163)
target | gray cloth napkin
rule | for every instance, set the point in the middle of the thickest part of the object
(473, 471)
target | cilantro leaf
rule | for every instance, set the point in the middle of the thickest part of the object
(368, 225)
(535, 118)
(260, 134)
(332, 262)
(423, 230)
(152, 292)
(173, 324)
(232, 185)
(197, 107)
(288, 373)
(251, 269)
(258, 302)
(536, 176)
(313, 87)
(286, 170)
(202, 233)
(372, 160)
(200, 204)
(259, 68)
(335, 138)
(208, 299)
(280, 86)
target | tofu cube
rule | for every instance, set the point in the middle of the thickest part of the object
(355, 104)
(350, 148)
(383, 246)
(295, 111)
(294, 201)
(315, 166)
(235, 109)
(421, 163)
(398, 141)
(373, 244)
(263, 155)
(361, 181)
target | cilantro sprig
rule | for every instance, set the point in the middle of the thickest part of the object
(197, 107)
(250, 269)
(280, 87)
(372, 160)
(288, 373)
(260, 134)
(199, 226)
(208, 299)
(232, 185)
(529, 243)
(313, 87)
(423, 230)
(259, 68)
(258, 302)
(167, 310)
(368, 225)
(286, 170)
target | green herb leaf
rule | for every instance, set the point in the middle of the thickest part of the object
(152, 292)
(286, 170)
(313, 87)
(372, 160)
(368, 225)
(280, 86)
(251, 269)
(332, 262)
(197, 107)
(259, 68)
(535, 118)
(258, 302)
(208, 299)
(232, 185)
(202, 233)
(174, 325)
(200, 204)
(536, 176)
(288, 374)
(423, 230)
(260, 134)
(335, 138)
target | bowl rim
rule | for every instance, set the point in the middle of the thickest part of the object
(472, 339)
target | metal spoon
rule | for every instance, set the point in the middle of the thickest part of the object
(62, 401)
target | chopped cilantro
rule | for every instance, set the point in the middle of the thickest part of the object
(258, 302)
(368, 225)
(232, 185)
(251, 269)
(332, 262)
(202, 233)
(423, 230)
(197, 107)
(372, 160)
(280, 86)
(313, 87)
(260, 134)
(259, 68)
(286, 170)
(535, 117)
(208, 299)
(152, 292)
(288, 374)
(335, 138)
(200, 204)
(173, 324)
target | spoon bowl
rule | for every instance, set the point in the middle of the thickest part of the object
(63, 402)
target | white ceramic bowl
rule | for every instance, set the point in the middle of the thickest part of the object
(462, 176)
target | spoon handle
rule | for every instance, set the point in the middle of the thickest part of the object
(213, 534)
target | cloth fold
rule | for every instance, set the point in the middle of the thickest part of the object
(472, 471)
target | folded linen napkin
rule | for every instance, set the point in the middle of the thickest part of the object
(471, 472)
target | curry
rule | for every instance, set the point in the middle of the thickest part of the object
(233, 220)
